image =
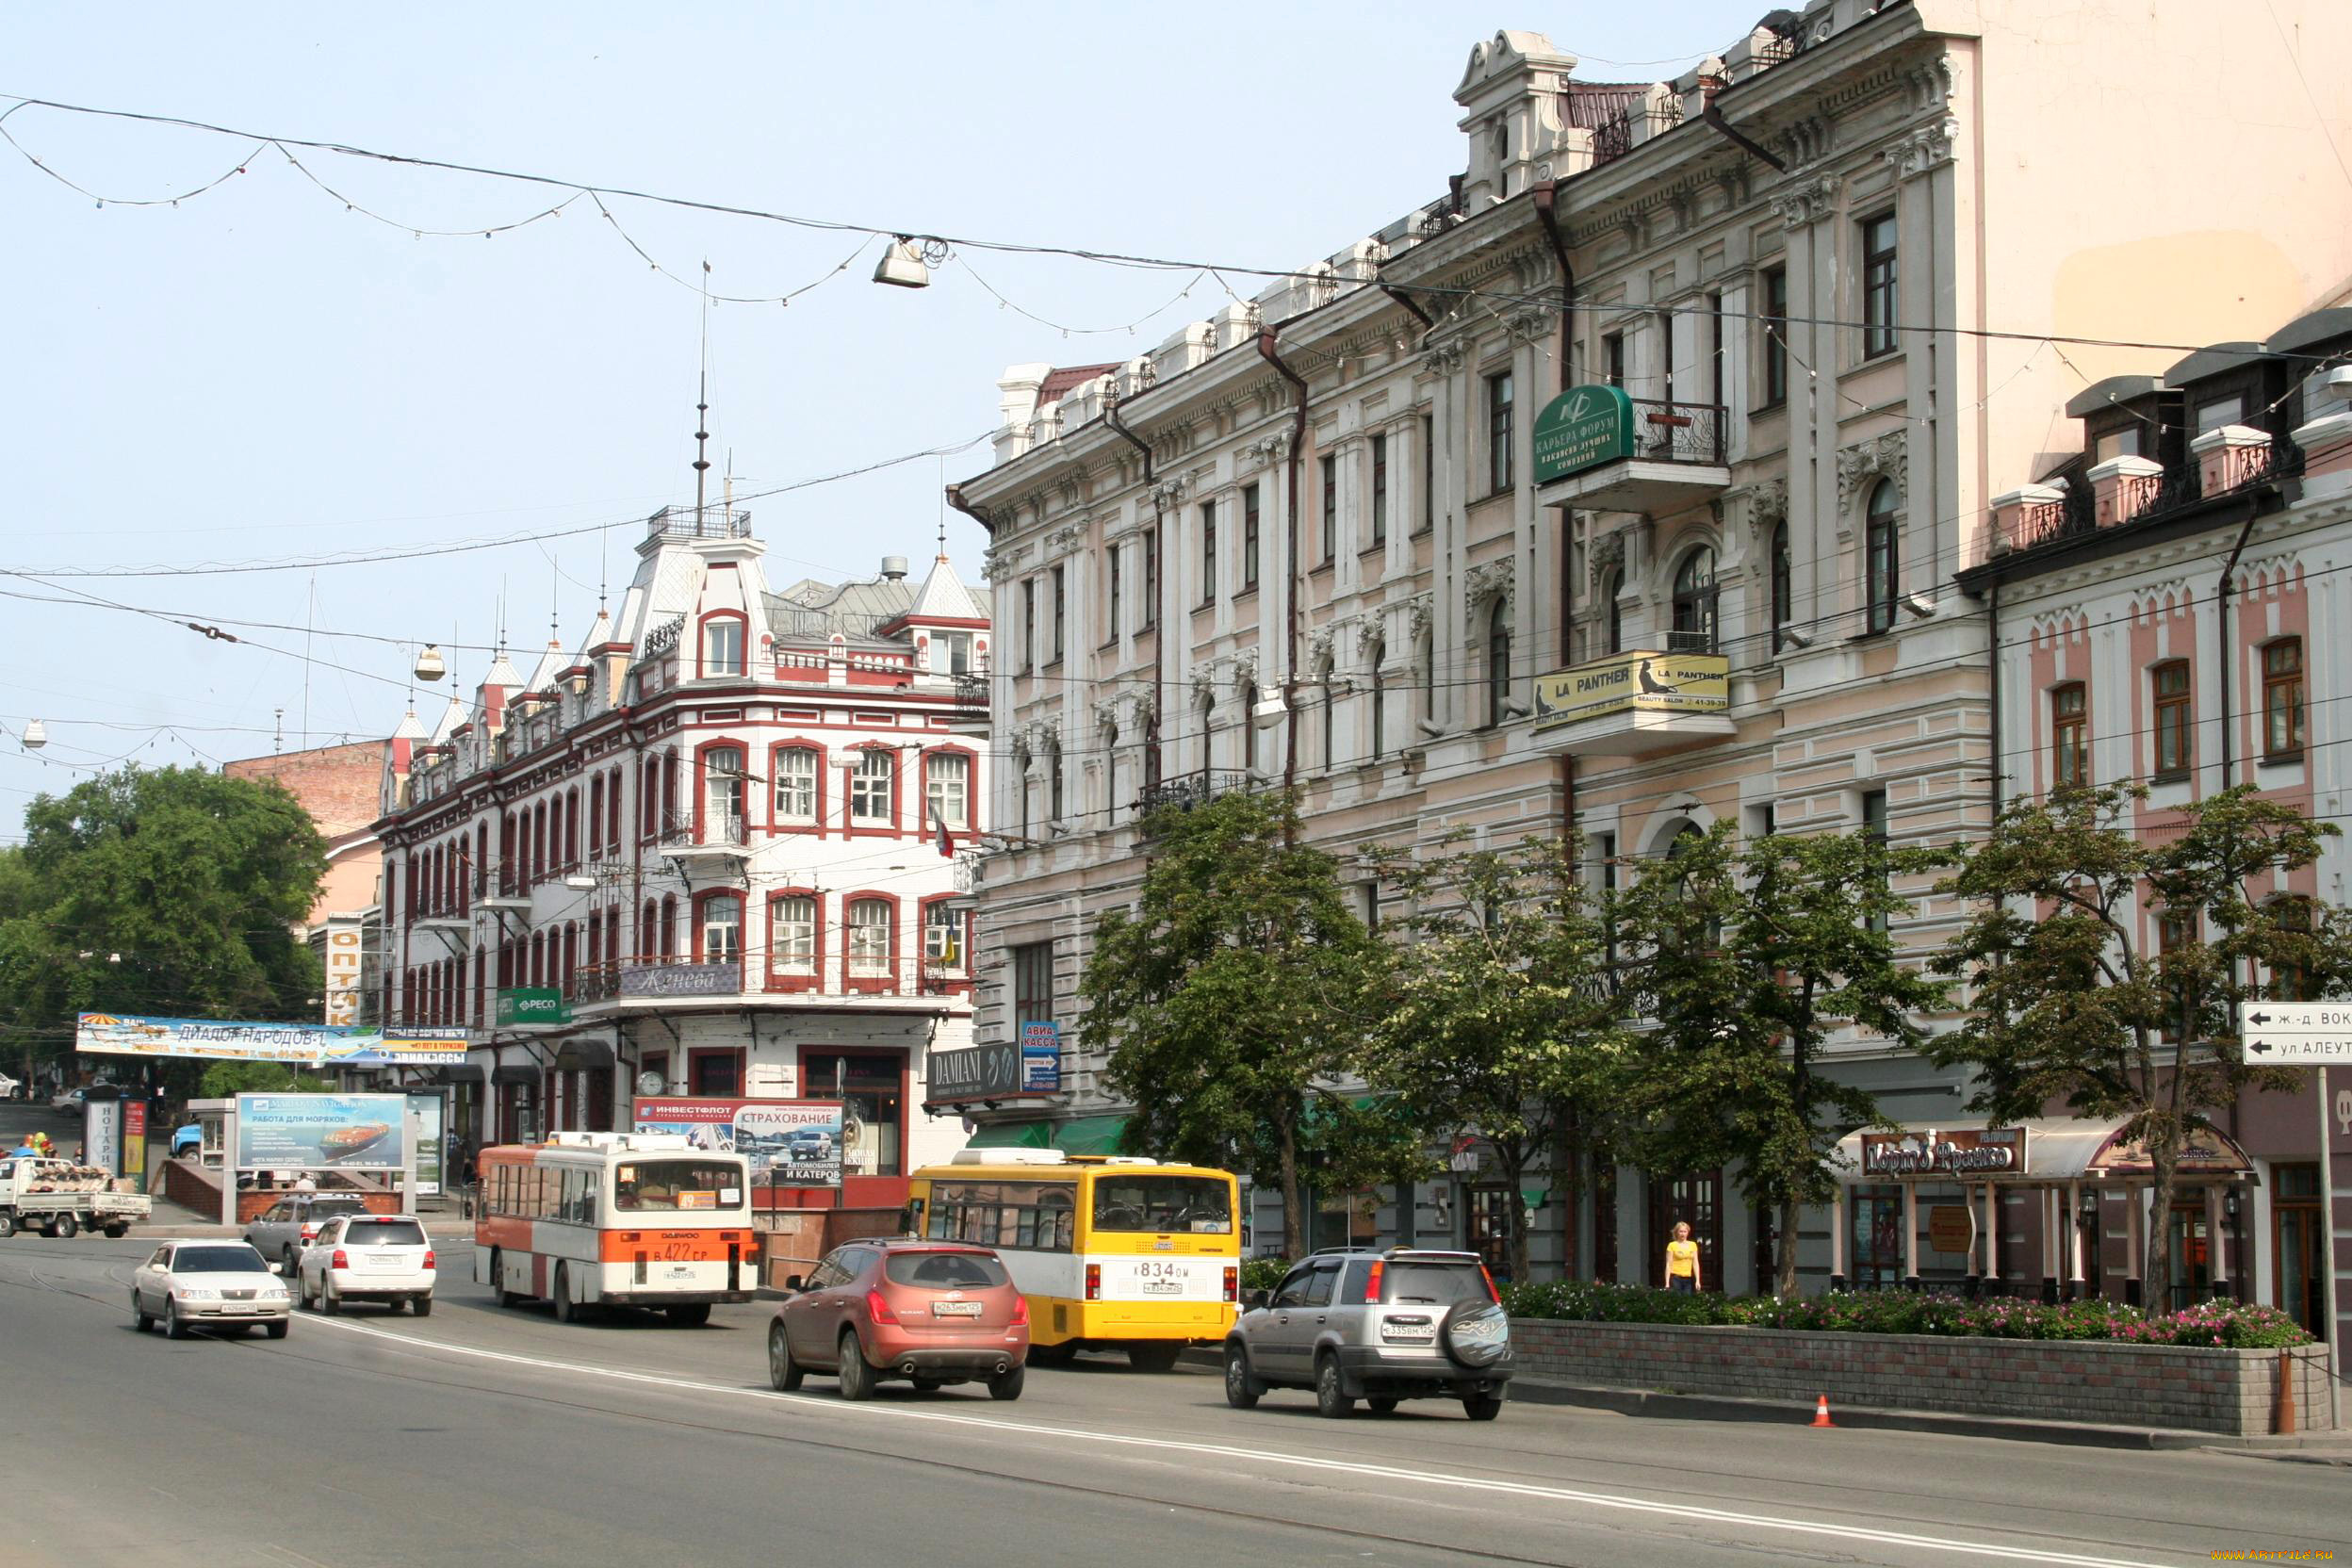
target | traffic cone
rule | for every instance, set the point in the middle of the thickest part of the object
(1821, 1413)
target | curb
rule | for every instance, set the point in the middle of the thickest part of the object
(1660, 1404)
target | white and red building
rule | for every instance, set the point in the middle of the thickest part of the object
(724, 831)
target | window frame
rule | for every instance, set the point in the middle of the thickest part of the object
(704, 664)
(779, 819)
(1773, 322)
(1208, 554)
(1111, 592)
(883, 976)
(1501, 425)
(1783, 607)
(705, 902)
(1881, 277)
(1061, 614)
(963, 821)
(2173, 721)
(1692, 597)
(1881, 558)
(1328, 477)
(1378, 457)
(1498, 631)
(1151, 618)
(1252, 517)
(2069, 733)
(2284, 695)
(888, 822)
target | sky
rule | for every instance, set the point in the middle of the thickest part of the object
(263, 374)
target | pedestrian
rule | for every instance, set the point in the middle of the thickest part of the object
(1682, 1260)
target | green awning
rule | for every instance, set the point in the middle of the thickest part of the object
(1012, 1135)
(1089, 1135)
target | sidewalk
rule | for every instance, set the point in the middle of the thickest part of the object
(2324, 1447)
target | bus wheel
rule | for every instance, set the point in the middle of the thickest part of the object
(1154, 1355)
(1053, 1355)
(566, 1310)
(499, 1295)
(692, 1315)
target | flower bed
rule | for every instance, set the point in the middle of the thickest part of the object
(2222, 1324)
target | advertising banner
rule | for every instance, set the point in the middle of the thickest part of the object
(318, 1132)
(791, 1143)
(425, 1136)
(402, 1047)
(303, 1044)
(341, 961)
(975, 1072)
(1945, 1156)
(523, 1005)
(1634, 682)
(134, 1141)
(1582, 427)
(1040, 1058)
(101, 1134)
(681, 979)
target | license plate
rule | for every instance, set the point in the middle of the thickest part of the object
(954, 1309)
(1420, 1332)
(368, 1260)
(681, 1271)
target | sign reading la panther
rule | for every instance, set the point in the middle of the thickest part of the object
(1582, 427)
(1654, 682)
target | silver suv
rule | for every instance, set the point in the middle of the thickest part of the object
(1357, 1324)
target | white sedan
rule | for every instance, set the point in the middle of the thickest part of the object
(208, 1284)
(368, 1257)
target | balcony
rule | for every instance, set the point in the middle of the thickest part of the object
(2130, 492)
(1193, 789)
(719, 835)
(715, 522)
(893, 983)
(1632, 704)
(1597, 449)
(969, 714)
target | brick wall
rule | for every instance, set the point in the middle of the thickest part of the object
(2232, 1391)
(337, 785)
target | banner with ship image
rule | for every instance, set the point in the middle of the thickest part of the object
(320, 1132)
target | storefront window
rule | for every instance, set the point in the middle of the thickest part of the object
(2295, 1244)
(871, 1088)
(1875, 1243)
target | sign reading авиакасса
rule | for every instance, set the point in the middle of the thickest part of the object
(1582, 427)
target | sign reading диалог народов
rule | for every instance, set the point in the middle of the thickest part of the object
(1582, 427)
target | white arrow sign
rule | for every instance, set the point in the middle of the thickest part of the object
(2295, 1018)
(2282, 1049)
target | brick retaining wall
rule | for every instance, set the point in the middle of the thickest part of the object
(2231, 1392)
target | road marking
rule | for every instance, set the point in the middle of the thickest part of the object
(1267, 1456)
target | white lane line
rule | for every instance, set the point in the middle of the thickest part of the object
(1267, 1456)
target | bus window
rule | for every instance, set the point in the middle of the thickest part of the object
(1158, 1204)
(673, 1185)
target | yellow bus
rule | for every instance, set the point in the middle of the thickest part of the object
(1115, 1253)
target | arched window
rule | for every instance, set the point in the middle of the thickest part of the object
(1882, 556)
(869, 938)
(669, 924)
(947, 787)
(1499, 664)
(1695, 604)
(596, 817)
(1151, 754)
(2070, 732)
(1053, 779)
(1020, 784)
(2282, 698)
(723, 645)
(870, 788)
(795, 774)
(1331, 753)
(1784, 585)
(1379, 702)
(719, 937)
(792, 935)
(571, 825)
(946, 938)
(1245, 700)
(722, 795)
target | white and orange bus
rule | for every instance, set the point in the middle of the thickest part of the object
(634, 1220)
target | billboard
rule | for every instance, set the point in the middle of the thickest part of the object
(101, 1134)
(301, 1044)
(1634, 682)
(401, 1047)
(134, 1141)
(791, 1143)
(425, 1136)
(341, 962)
(1040, 1058)
(320, 1132)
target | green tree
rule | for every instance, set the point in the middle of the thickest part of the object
(1499, 1015)
(1749, 960)
(226, 1080)
(1229, 1005)
(2079, 998)
(172, 891)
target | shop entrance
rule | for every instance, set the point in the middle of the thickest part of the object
(873, 1089)
(1697, 1200)
(2295, 1244)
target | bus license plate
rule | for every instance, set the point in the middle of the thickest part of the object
(954, 1309)
(681, 1271)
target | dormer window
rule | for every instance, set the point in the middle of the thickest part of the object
(2127, 442)
(723, 645)
(2213, 413)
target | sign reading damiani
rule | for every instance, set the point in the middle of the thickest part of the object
(1654, 683)
(1583, 427)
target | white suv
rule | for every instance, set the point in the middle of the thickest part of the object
(368, 1257)
(1356, 1324)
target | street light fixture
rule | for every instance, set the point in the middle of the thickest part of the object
(36, 735)
(902, 264)
(429, 665)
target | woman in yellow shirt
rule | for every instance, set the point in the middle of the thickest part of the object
(1682, 1260)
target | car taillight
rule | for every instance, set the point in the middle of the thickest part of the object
(340, 1260)
(1094, 1281)
(877, 1310)
(429, 1257)
(310, 1233)
(1232, 1283)
(1491, 1294)
(1020, 1312)
(1372, 1284)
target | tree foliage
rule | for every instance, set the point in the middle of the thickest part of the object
(1229, 1005)
(1499, 1017)
(2074, 992)
(1748, 960)
(172, 891)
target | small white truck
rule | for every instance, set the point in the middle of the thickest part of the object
(61, 1199)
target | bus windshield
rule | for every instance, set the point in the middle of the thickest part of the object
(644, 1185)
(1149, 1203)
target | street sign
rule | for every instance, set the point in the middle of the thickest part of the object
(2295, 1034)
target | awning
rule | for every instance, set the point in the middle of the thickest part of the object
(578, 1055)
(2056, 1150)
(1089, 1135)
(511, 1073)
(1012, 1135)
(463, 1072)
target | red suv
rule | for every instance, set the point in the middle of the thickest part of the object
(929, 1312)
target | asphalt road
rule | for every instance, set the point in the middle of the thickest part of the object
(480, 1435)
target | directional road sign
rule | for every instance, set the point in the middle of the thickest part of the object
(2296, 1034)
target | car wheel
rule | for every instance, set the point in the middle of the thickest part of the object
(1476, 1335)
(1006, 1384)
(330, 1298)
(68, 1226)
(277, 1329)
(1242, 1390)
(8, 1226)
(784, 1373)
(139, 1320)
(172, 1327)
(421, 1305)
(1331, 1399)
(1154, 1356)
(1381, 1404)
(1481, 1407)
(858, 1379)
(289, 1264)
(566, 1310)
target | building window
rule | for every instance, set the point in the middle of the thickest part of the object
(870, 788)
(2173, 933)
(1498, 425)
(1032, 985)
(792, 935)
(943, 943)
(1053, 779)
(2282, 700)
(947, 787)
(1331, 748)
(2290, 974)
(1878, 286)
(723, 928)
(1379, 703)
(2175, 751)
(1881, 561)
(868, 938)
(1379, 490)
(1874, 829)
(958, 647)
(1613, 358)
(1776, 325)
(1249, 538)
(2213, 413)
(795, 770)
(1028, 625)
(1150, 616)
(1612, 612)
(1110, 607)
(1021, 780)
(721, 796)
(2069, 742)
(1695, 604)
(1427, 520)
(723, 645)
(2117, 443)
(1061, 609)
(1784, 585)
(1208, 552)
(1330, 466)
(1499, 664)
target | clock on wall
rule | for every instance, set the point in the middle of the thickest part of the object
(650, 1082)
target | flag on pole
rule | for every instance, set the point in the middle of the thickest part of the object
(947, 840)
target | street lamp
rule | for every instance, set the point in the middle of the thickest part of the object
(429, 665)
(36, 735)
(902, 265)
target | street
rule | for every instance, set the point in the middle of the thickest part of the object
(483, 1435)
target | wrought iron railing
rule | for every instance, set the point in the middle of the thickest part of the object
(715, 522)
(2075, 514)
(1192, 789)
(719, 827)
(1665, 430)
(753, 971)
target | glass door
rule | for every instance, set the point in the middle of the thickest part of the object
(1874, 1245)
(2295, 1244)
(872, 1095)
(1697, 1200)
(2192, 1255)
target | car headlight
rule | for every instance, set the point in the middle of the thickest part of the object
(273, 1293)
(197, 1293)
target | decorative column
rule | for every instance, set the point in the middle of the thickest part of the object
(2051, 1199)
(2217, 1242)
(2075, 1282)
(1992, 1239)
(2135, 1244)
(1837, 1239)
(1972, 1281)
(1911, 1235)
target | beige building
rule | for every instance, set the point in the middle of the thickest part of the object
(1720, 371)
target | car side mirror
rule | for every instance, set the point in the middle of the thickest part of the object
(794, 1283)
(1256, 1299)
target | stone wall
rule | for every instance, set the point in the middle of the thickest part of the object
(2230, 1392)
